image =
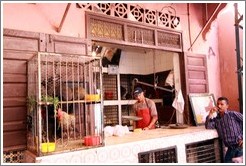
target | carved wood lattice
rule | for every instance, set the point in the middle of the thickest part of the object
(137, 12)
(150, 17)
(163, 18)
(120, 10)
(167, 17)
(142, 36)
(85, 6)
(168, 40)
(105, 8)
(106, 30)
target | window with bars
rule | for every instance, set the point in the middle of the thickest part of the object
(208, 151)
(111, 115)
(126, 86)
(126, 111)
(165, 155)
(110, 87)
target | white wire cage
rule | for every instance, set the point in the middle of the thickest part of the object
(64, 103)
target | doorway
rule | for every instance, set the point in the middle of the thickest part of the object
(157, 72)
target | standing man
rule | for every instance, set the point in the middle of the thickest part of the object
(229, 125)
(146, 109)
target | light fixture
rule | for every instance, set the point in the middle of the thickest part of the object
(95, 50)
(172, 14)
(170, 10)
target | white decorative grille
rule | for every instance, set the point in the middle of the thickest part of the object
(120, 10)
(166, 17)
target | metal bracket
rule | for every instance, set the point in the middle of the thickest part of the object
(135, 80)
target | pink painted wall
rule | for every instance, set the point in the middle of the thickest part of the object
(46, 17)
(228, 57)
(207, 46)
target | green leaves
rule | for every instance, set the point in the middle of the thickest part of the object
(52, 100)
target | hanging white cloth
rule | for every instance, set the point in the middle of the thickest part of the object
(178, 102)
(170, 79)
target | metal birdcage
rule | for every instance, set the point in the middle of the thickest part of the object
(64, 103)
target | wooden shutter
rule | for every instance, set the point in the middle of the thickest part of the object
(196, 73)
(67, 45)
(196, 80)
(18, 47)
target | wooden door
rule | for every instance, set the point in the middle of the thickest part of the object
(18, 47)
(67, 45)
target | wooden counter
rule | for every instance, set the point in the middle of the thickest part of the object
(152, 134)
(125, 149)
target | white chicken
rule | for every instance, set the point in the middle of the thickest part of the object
(66, 122)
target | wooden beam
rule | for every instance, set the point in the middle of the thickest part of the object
(63, 18)
(214, 14)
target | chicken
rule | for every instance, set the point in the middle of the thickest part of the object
(48, 86)
(66, 122)
(67, 92)
(64, 91)
(79, 93)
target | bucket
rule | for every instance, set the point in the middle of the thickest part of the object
(91, 140)
(108, 95)
(48, 147)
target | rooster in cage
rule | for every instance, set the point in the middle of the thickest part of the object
(66, 122)
(64, 91)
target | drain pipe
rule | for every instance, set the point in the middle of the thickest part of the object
(239, 76)
(188, 13)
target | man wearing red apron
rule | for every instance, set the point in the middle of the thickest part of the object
(146, 109)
